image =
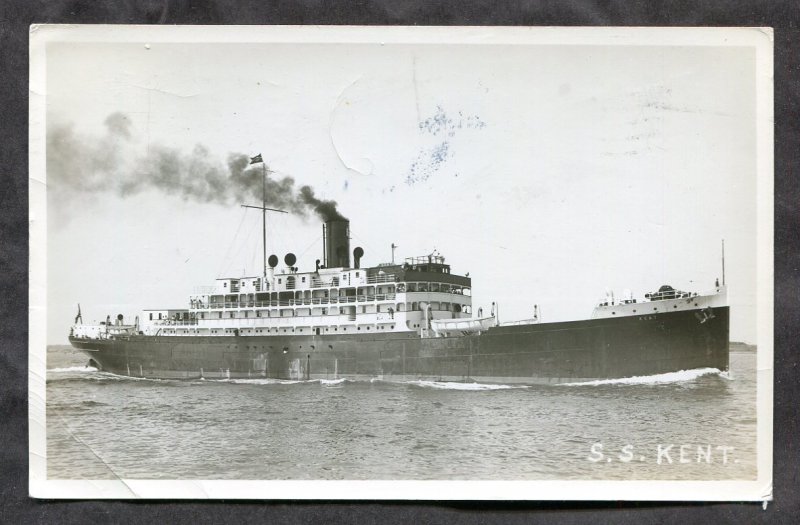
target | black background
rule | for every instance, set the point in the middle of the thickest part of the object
(17, 15)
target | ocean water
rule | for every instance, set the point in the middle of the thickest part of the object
(697, 425)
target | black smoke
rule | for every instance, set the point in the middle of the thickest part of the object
(325, 209)
(113, 164)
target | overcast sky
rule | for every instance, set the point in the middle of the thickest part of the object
(549, 173)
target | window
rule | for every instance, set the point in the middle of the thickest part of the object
(246, 313)
(302, 279)
(356, 274)
(151, 316)
(232, 314)
(279, 280)
(159, 315)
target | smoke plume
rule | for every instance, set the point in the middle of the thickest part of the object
(325, 209)
(113, 164)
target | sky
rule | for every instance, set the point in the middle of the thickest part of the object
(550, 173)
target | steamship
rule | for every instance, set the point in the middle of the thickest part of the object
(405, 321)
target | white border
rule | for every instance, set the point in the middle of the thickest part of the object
(761, 39)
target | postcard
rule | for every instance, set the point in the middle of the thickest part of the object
(424, 263)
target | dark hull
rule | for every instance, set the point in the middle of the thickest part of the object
(539, 353)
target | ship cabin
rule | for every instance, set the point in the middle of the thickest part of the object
(345, 299)
(387, 297)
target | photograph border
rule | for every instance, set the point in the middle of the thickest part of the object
(760, 490)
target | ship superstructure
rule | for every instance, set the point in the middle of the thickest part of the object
(344, 299)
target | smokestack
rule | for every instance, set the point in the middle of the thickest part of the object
(337, 243)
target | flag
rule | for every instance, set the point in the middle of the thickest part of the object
(256, 159)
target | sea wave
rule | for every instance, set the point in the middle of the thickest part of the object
(94, 375)
(657, 379)
(444, 385)
(73, 369)
(726, 375)
(268, 381)
(260, 381)
(332, 382)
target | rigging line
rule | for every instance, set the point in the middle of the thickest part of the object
(230, 245)
(362, 241)
(256, 249)
(239, 255)
(278, 227)
(315, 241)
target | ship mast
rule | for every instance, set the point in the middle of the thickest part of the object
(723, 262)
(258, 160)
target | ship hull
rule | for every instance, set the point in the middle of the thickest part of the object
(530, 354)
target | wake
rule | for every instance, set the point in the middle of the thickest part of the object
(657, 379)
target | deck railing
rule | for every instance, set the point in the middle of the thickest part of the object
(173, 322)
(306, 301)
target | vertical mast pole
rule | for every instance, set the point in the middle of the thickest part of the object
(264, 222)
(723, 262)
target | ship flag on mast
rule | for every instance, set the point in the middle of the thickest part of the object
(259, 160)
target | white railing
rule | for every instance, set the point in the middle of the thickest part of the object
(170, 322)
(295, 302)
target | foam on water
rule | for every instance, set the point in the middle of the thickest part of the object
(462, 386)
(73, 369)
(94, 374)
(726, 375)
(266, 381)
(331, 382)
(261, 381)
(117, 377)
(657, 379)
